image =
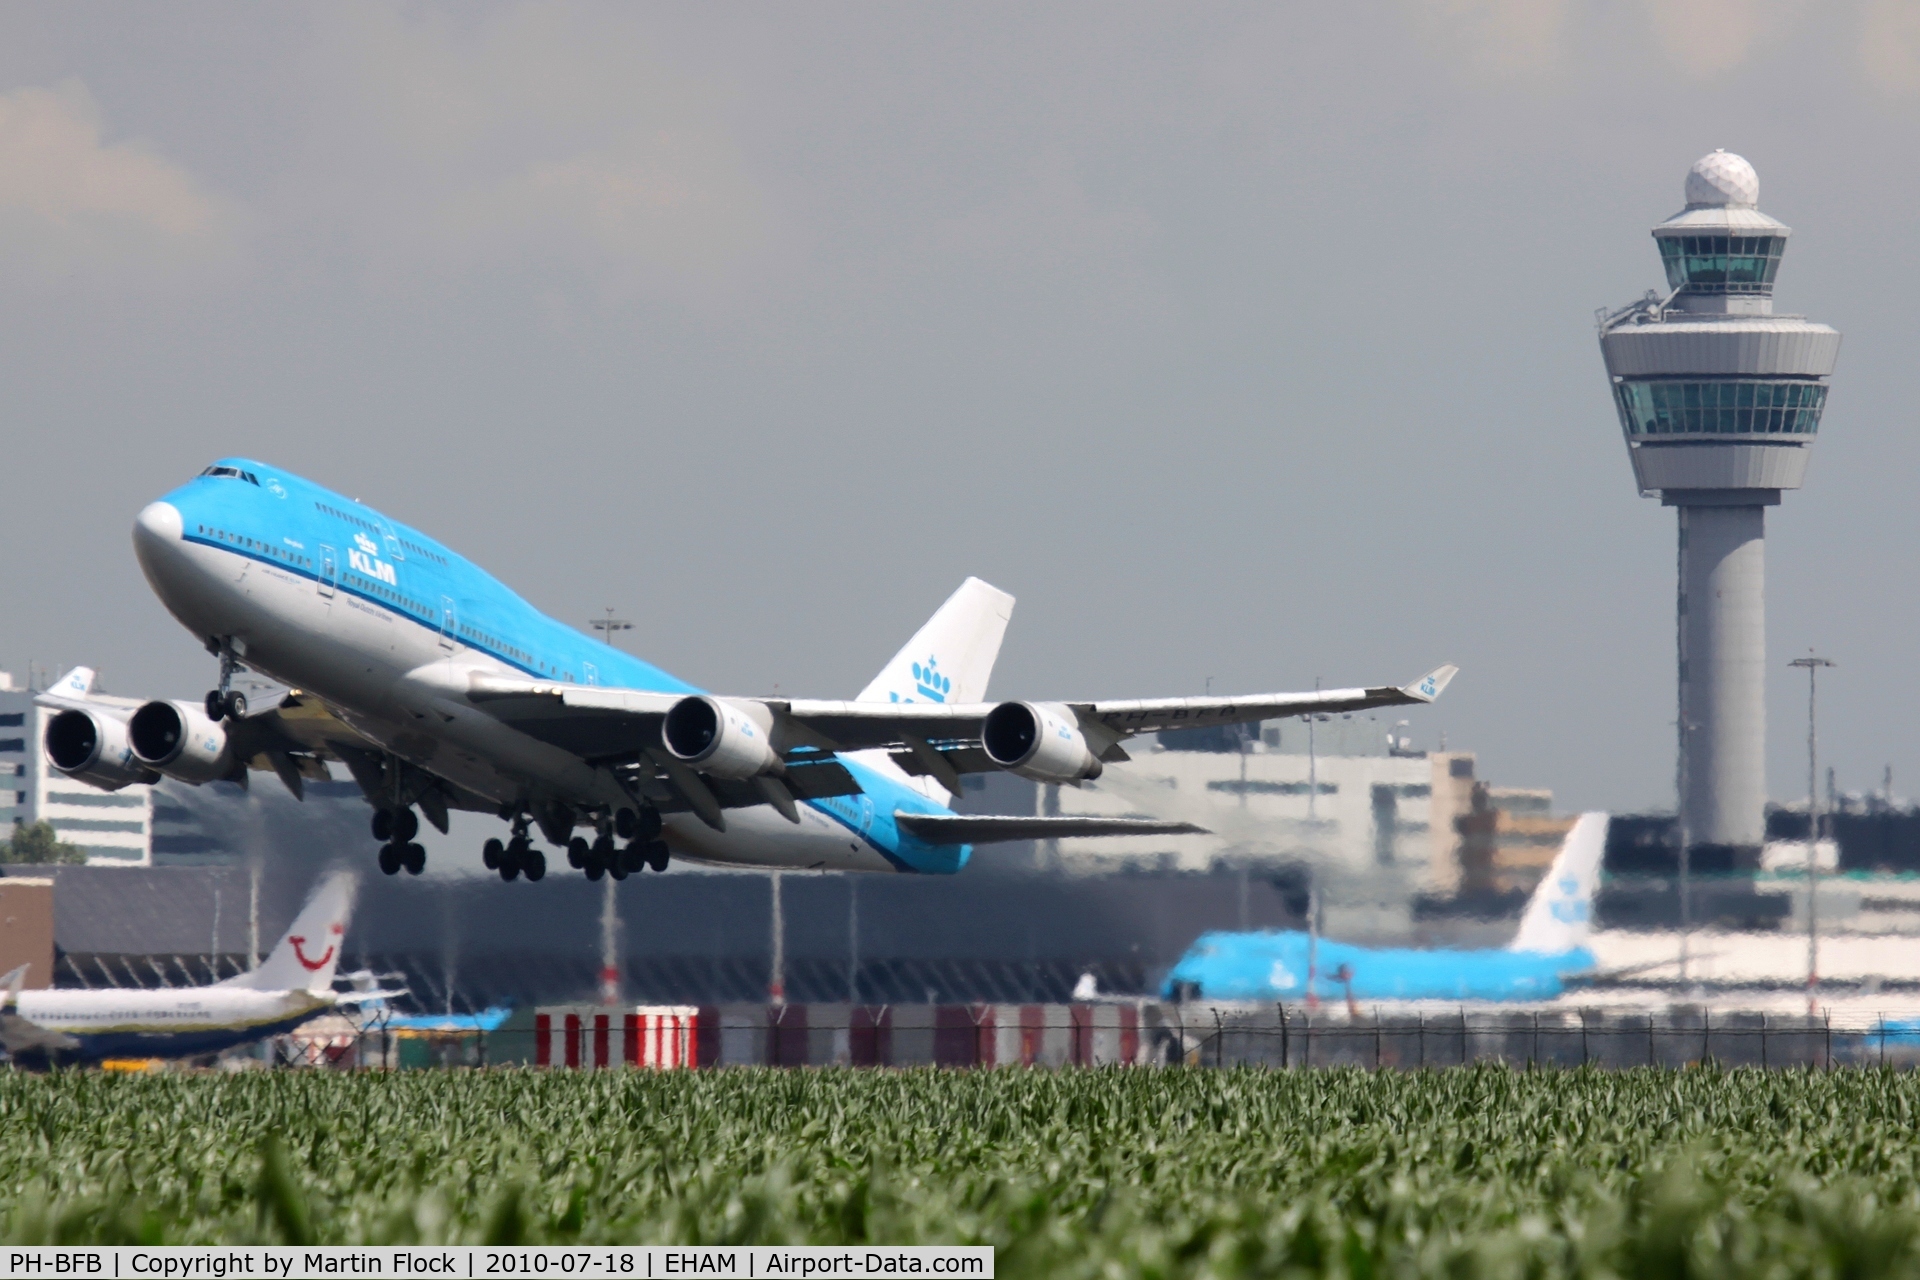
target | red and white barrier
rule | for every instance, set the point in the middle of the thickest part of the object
(794, 1035)
(596, 1035)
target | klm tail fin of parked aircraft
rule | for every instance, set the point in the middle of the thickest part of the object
(950, 659)
(1560, 915)
(310, 949)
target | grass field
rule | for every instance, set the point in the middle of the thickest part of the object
(1477, 1171)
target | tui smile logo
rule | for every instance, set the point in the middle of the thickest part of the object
(300, 950)
(300, 954)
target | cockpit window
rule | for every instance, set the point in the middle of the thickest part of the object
(234, 472)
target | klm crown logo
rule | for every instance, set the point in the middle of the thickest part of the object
(931, 684)
(927, 682)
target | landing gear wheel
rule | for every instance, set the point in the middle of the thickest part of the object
(235, 705)
(389, 860)
(406, 825)
(490, 854)
(383, 824)
(216, 706)
(595, 871)
(535, 865)
(615, 870)
(577, 852)
(509, 870)
(624, 823)
(650, 824)
(633, 858)
(658, 854)
(415, 860)
(519, 849)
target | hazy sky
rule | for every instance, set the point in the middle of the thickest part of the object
(1253, 342)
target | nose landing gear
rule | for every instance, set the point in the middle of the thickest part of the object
(226, 702)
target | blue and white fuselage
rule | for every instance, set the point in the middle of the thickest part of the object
(391, 629)
(1549, 949)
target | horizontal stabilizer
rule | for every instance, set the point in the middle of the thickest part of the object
(975, 828)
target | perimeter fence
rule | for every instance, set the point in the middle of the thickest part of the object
(1134, 1033)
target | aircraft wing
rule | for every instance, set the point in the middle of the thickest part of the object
(592, 720)
(971, 828)
(622, 728)
(853, 726)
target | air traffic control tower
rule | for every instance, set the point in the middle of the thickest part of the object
(1720, 400)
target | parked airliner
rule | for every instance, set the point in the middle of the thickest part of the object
(438, 688)
(1549, 950)
(294, 984)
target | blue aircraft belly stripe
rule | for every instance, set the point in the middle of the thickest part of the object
(95, 1046)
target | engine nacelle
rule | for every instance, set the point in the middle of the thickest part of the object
(92, 746)
(725, 739)
(1038, 740)
(177, 739)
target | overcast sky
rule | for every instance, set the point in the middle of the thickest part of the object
(1252, 342)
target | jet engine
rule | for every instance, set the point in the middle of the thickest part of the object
(1038, 740)
(177, 739)
(92, 746)
(725, 739)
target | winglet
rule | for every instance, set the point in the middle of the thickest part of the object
(1431, 685)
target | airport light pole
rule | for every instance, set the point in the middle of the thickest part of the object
(777, 978)
(1686, 853)
(608, 625)
(1812, 663)
(610, 906)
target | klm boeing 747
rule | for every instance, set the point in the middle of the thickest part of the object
(438, 688)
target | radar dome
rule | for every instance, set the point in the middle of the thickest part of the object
(1721, 180)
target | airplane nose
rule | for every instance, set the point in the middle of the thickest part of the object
(158, 524)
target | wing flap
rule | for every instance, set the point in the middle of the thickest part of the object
(973, 828)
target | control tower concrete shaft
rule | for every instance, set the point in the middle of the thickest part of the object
(1719, 399)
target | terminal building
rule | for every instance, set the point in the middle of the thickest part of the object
(114, 828)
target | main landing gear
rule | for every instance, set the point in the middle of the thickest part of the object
(227, 702)
(396, 828)
(517, 857)
(603, 857)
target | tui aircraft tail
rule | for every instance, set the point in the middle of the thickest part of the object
(949, 659)
(1560, 914)
(309, 951)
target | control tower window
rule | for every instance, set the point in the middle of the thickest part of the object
(1722, 264)
(1730, 407)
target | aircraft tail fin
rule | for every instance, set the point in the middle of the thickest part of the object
(76, 684)
(1559, 916)
(952, 656)
(309, 951)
